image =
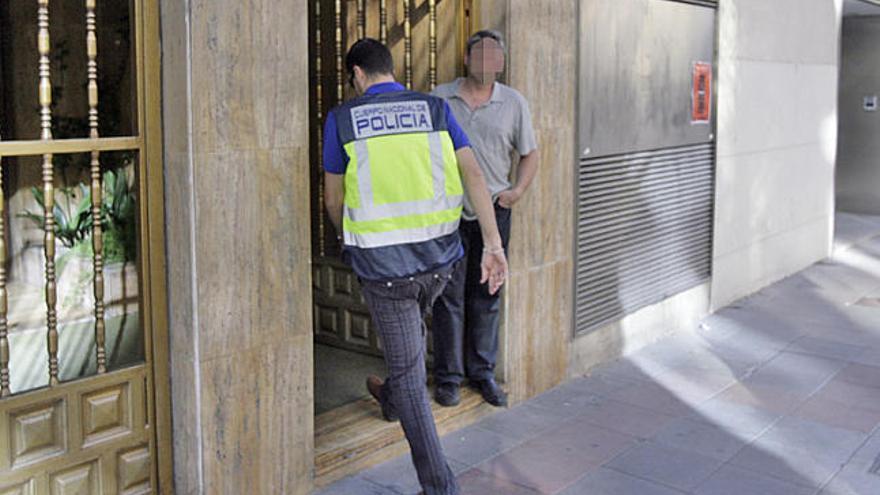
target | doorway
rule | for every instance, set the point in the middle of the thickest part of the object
(426, 39)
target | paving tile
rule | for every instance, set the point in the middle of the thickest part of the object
(654, 397)
(473, 445)
(476, 482)
(828, 441)
(669, 466)
(860, 374)
(625, 418)
(523, 421)
(695, 385)
(593, 443)
(820, 289)
(597, 384)
(795, 466)
(799, 451)
(796, 373)
(787, 315)
(851, 481)
(558, 457)
(856, 336)
(718, 327)
(731, 480)
(871, 357)
(852, 228)
(717, 359)
(570, 397)
(839, 415)
(870, 301)
(851, 394)
(701, 438)
(864, 320)
(744, 420)
(734, 359)
(783, 385)
(604, 481)
(668, 353)
(622, 370)
(543, 466)
(751, 335)
(851, 268)
(809, 344)
(868, 452)
(400, 476)
(748, 348)
(841, 267)
(776, 399)
(355, 485)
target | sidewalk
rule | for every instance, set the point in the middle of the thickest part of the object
(777, 394)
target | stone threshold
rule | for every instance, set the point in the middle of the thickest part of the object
(354, 437)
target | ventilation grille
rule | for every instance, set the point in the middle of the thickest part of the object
(704, 3)
(644, 230)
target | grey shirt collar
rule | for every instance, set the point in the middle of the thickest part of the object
(495, 98)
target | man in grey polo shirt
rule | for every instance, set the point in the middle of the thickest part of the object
(497, 121)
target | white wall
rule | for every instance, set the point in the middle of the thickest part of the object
(777, 139)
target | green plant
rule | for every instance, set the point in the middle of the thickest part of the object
(74, 221)
(118, 212)
(72, 213)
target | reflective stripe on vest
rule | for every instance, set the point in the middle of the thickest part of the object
(400, 189)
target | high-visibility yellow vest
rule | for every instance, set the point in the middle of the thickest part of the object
(402, 183)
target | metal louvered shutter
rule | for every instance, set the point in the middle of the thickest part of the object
(702, 3)
(644, 230)
(645, 177)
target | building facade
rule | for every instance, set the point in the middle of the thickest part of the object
(687, 159)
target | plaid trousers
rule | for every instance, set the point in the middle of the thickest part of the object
(398, 309)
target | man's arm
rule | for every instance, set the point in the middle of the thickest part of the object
(333, 196)
(335, 161)
(525, 173)
(527, 146)
(494, 263)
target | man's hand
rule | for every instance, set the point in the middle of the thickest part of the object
(493, 268)
(525, 173)
(493, 264)
(506, 199)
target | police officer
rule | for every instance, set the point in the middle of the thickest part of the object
(396, 166)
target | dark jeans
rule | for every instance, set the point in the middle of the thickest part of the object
(398, 308)
(465, 317)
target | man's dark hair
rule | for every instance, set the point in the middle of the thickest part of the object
(485, 33)
(371, 56)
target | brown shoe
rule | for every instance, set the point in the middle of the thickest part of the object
(374, 386)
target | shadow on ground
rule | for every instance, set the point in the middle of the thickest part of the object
(777, 394)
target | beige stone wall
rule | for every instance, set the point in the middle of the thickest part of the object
(235, 102)
(235, 122)
(537, 314)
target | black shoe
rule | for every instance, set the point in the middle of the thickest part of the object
(374, 386)
(447, 394)
(490, 391)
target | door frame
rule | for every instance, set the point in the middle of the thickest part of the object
(153, 233)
